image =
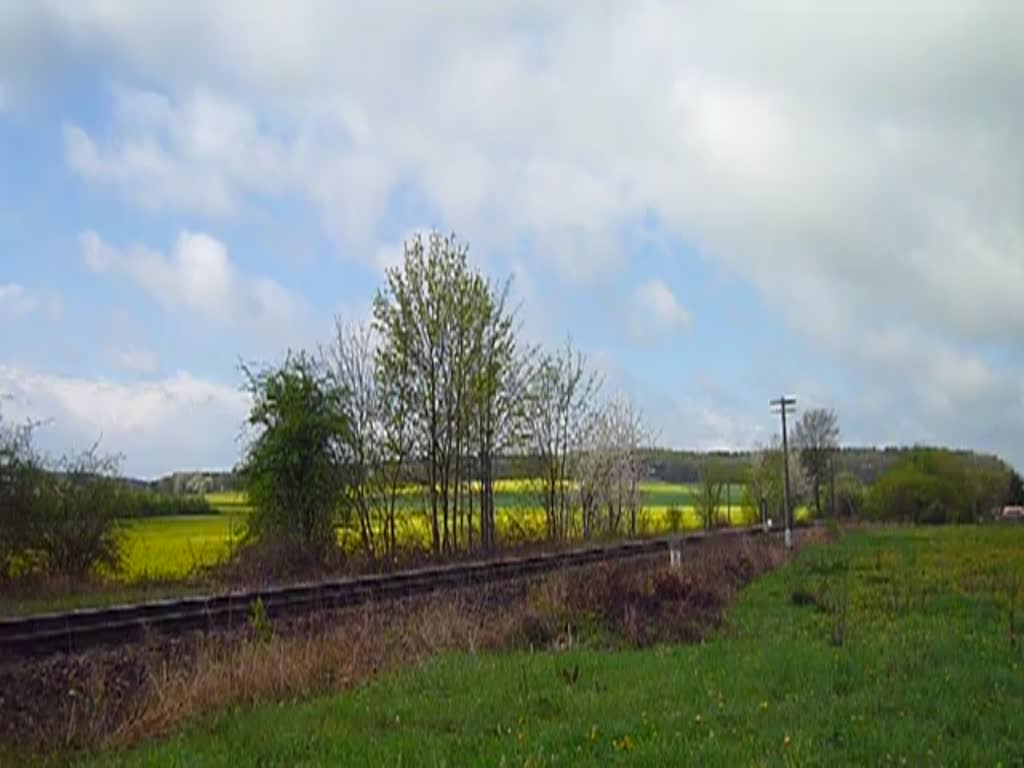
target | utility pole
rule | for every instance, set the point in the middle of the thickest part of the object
(785, 405)
(832, 482)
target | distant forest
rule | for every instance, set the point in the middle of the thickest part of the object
(662, 464)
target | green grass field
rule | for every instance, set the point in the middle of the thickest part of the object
(893, 647)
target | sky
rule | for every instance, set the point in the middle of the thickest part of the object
(718, 202)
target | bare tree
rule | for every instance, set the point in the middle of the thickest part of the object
(560, 403)
(816, 437)
(710, 490)
(610, 469)
(378, 443)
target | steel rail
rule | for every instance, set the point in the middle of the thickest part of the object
(77, 630)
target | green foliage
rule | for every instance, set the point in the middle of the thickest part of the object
(764, 483)
(850, 495)
(59, 519)
(20, 473)
(448, 369)
(936, 486)
(74, 525)
(153, 504)
(293, 473)
(1015, 490)
(259, 621)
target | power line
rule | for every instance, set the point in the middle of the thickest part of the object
(782, 406)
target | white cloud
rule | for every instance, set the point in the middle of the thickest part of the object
(16, 301)
(179, 422)
(198, 275)
(136, 360)
(856, 162)
(655, 312)
(198, 155)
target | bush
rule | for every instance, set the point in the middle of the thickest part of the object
(58, 519)
(153, 504)
(933, 486)
(20, 471)
(293, 471)
(74, 521)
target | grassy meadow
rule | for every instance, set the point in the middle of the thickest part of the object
(891, 647)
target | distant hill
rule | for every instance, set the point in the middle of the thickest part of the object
(867, 464)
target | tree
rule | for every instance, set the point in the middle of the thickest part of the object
(365, 496)
(447, 346)
(610, 468)
(710, 491)
(499, 384)
(560, 403)
(849, 495)
(931, 485)
(61, 518)
(74, 527)
(816, 437)
(293, 468)
(1015, 489)
(764, 479)
(20, 472)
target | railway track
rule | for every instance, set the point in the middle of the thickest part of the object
(74, 631)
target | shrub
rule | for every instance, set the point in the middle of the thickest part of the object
(59, 519)
(74, 521)
(153, 504)
(293, 472)
(935, 486)
(20, 470)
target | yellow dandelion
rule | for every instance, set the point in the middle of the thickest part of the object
(787, 741)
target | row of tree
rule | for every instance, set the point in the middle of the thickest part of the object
(932, 485)
(429, 396)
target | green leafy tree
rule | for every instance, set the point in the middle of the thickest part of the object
(499, 385)
(932, 485)
(449, 361)
(75, 526)
(294, 465)
(1015, 489)
(849, 495)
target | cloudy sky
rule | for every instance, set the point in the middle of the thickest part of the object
(718, 201)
